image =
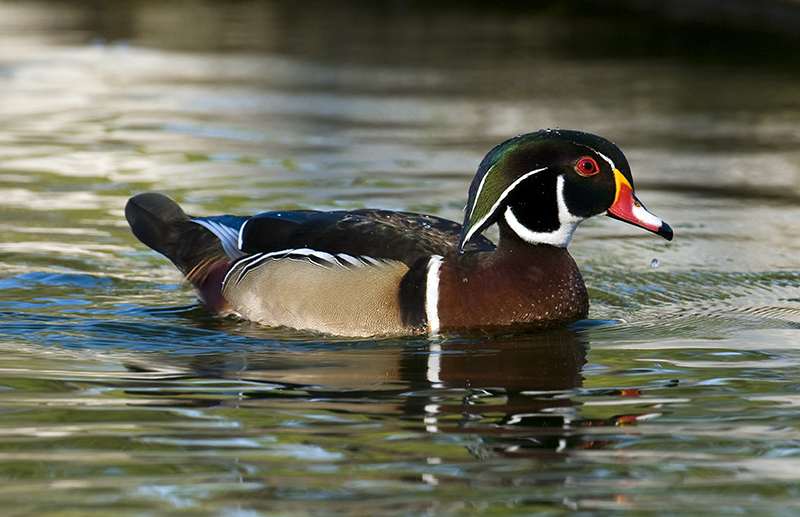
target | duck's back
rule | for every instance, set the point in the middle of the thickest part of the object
(379, 234)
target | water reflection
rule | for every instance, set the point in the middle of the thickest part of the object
(514, 394)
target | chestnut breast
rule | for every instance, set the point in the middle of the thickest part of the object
(535, 284)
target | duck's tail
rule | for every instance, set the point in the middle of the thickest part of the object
(196, 251)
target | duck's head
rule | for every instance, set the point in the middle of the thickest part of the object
(540, 186)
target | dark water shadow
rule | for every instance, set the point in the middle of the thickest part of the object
(514, 395)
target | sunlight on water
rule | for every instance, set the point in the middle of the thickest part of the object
(121, 395)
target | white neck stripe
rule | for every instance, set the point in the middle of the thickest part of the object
(497, 203)
(432, 293)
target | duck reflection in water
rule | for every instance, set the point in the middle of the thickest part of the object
(517, 390)
(515, 394)
(518, 393)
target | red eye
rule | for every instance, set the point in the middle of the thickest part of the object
(587, 167)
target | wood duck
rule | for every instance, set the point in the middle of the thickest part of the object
(378, 272)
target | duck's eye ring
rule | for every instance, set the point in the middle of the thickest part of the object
(587, 166)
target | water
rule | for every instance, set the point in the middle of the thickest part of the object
(121, 395)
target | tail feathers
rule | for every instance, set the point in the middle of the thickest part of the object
(161, 224)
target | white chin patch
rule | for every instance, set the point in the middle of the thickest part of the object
(559, 237)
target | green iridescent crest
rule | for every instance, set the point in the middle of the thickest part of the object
(497, 174)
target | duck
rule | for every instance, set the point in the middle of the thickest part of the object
(375, 272)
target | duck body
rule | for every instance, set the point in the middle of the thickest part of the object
(378, 272)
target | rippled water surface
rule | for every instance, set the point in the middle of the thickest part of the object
(121, 395)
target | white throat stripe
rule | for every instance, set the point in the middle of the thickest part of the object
(561, 236)
(497, 203)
